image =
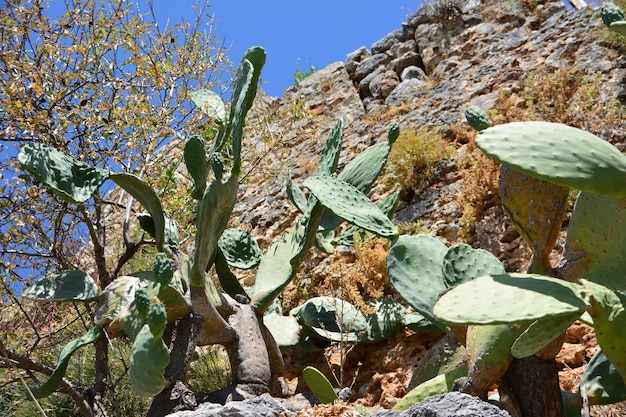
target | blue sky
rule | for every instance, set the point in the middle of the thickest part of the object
(297, 35)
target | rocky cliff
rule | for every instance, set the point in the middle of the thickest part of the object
(424, 75)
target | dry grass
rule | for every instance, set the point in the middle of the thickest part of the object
(380, 117)
(567, 96)
(413, 157)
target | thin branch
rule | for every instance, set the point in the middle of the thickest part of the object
(23, 362)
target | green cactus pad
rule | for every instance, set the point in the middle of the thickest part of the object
(279, 264)
(142, 302)
(540, 333)
(608, 310)
(349, 203)
(559, 154)
(441, 384)
(229, 281)
(329, 157)
(217, 165)
(54, 380)
(284, 329)
(387, 205)
(296, 196)
(130, 322)
(63, 286)
(197, 164)
(276, 270)
(385, 320)
(537, 209)
(171, 238)
(393, 133)
(148, 360)
(214, 213)
(361, 173)
(510, 298)
(596, 241)
(477, 118)
(157, 319)
(163, 269)
(489, 353)
(148, 198)
(611, 13)
(240, 248)
(70, 179)
(332, 319)
(319, 385)
(210, 103)
(244, 92)
(462, 263)
(601, 383)
(414, 268)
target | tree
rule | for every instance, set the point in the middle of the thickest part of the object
(107, 84)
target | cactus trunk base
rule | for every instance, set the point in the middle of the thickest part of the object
(176, 396)
(533, 384)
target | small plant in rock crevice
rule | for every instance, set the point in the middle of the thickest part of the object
(413, 160)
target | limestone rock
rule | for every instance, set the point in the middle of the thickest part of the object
(454, 404)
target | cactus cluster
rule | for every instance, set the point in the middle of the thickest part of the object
(541, 162)
(141, 305)
(421, 267)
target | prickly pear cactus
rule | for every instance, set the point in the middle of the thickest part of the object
(194, 155)
(561, 154)
(157, 319)
(596, 230)
(217, 165)
(163, 269)
(349, 203)
(240, 248)
(537, 209)
(414, 267)
(610, 14)
(462, 263)
(142, 302)
(601, 383)
(148, 360)
(477, 118)
(488, 356)
(541, 333)
(608, 310)
(510, 298)
(319, 385)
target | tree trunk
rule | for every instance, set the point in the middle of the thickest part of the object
(97, 392)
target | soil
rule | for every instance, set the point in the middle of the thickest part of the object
(378, 373)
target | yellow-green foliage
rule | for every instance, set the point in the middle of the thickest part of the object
(413, 157)
(209, 371)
